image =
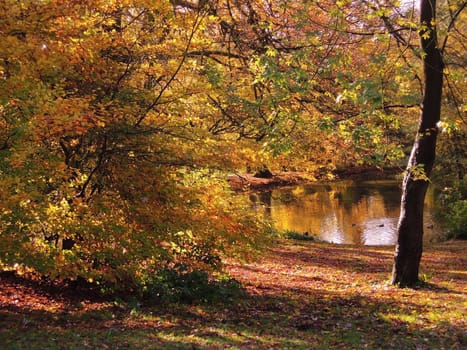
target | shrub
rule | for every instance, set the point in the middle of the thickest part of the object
(121, 241)
(179, 284)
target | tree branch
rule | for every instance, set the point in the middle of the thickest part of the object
(451, 24)
(175, 73)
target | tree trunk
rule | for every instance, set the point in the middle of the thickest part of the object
(409, 246)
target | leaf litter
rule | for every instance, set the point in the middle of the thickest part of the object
(299, 295)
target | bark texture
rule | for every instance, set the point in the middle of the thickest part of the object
(409, 246)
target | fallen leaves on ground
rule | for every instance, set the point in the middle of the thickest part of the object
(300, 295)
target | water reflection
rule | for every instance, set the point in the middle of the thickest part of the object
(344, 212)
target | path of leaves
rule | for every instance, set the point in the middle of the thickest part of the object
(301, 295)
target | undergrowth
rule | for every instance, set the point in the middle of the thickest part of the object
(181, 285)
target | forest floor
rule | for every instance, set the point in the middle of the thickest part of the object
(299, 295)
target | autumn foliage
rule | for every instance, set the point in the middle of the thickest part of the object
(104, 174)
(120, 119)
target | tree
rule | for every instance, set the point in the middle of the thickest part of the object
(409, 246)
(398, 21)
(104, 173)
(297, 71)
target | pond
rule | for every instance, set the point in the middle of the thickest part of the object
(342, 212)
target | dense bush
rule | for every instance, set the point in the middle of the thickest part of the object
(120, 244)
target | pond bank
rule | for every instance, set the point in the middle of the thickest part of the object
(248, 181)
(243, 182)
